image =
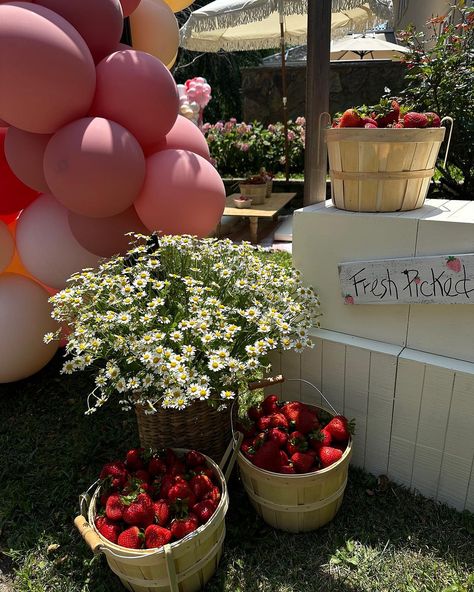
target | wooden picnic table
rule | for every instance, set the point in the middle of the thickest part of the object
(268, 209)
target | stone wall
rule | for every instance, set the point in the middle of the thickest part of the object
(351, 84)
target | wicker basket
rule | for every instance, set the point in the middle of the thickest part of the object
(269, 188)
(257, 192)
(183, 566)
(198, 426)
(381, 170)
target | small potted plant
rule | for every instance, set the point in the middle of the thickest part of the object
(255, 187)
(243, 201)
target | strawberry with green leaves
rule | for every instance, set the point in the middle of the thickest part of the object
(114, 507)
(278, 435)
(108, 528)
(351, 118)
(114, 474)
(180, 527)
(134, 459)
(385, 113)
(297, 442)
(193, 458)
(138, 510)
(340, 428)
(329, 455)
(320, 438)
(270, 405)
(131, 538)
(156, 536)
(267, 457)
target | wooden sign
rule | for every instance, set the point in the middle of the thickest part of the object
(440, 279)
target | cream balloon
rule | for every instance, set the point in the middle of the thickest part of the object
(155, 30)
(46, 244)
(7, 246)
(25, 317)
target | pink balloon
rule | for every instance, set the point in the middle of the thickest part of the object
(47, 70)
(4, 123)
(128, 6)
(46, 244)
(136, 90)
(184, 135)
(106, 236)
(94, 167)
(99, 22)
(24, 152)
(25, 317)
(183, 194)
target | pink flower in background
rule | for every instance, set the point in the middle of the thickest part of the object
(242, 128)
(244, 147)
(300, 121)
(291, 135)
(206, 127)
(271, 128)
(219, 125)
(233, 120)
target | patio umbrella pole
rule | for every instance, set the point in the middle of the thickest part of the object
(283, 88)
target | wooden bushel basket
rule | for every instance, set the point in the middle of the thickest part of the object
(382, 170)
(257, 192)
(183, 566)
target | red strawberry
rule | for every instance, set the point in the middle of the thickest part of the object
(320, 438)
(398, 125)
(291, 410)
(306, 421)
(134, 459)
(302, 462)
(287, 470)
(107, 528)
(267, 457)
(351, 118)
(297, 442)
(247, 449)
(336, 122)
(161, 508)
(454, 264)
(204, 510)
(433, 119)
(203, 470)
(178, 469)
(259, 440)
(213, 495)
(348, 299)
(180, 527)
(156, 466)
(329, 455)
(194, 458)
(131, 538)
(283, 458)
(278, 436)
(278, 420)
(254, 413)
(269, 404)
(369, 125)
(181, 491)
(386, 112)
(412, 119)
(104, 497)
(156, 536)
(140, 512)
(143, 476)
(264, 423)
(340, 429)
(200, 485)
(114, 472)
(166, 483)
(368, 121)
(114, 507)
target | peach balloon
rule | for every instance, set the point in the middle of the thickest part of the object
(183, 194)
(177, 5)
(4, 123)
(169, 65)
(155, 30)
(106, 236)
(184, 135)
(7, 246)
(46, 244)
(48, 76)
(99, 22)
(25, 317)
(94, 167)
(137, 91)
(24, 152)
(128, 6)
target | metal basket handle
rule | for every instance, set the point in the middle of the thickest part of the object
(451, 121)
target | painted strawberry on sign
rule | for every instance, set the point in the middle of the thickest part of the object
(454, 264)
(348, 299)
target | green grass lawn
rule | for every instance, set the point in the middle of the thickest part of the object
(383, 539)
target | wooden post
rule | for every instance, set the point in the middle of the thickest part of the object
(317, 98)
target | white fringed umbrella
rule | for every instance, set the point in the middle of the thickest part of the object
(366, 47)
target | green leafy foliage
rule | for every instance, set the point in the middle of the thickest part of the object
(440, 78)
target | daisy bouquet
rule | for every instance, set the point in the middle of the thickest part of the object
(179, 319)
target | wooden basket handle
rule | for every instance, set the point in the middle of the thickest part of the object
(88, 534)
(258, 384)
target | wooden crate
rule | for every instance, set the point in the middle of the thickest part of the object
(381, 170)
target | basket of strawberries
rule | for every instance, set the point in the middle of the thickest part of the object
(294, 462)
(158, 516)
(382, 158)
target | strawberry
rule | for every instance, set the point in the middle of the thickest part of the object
(296, 443)
(178, 469)
(143, 476)
(134, 459)
(108, 528)
(254, 413)
(114, 507)
(156, 466)
(368, 121)
(278, 436)
(412, 119)
(329, 456)
(320, 438)
(348, 299)
(156, 536)
(291, 410)
(306, 421)
(278, 420)
(140, 512)
(203, 470)
(213, 495)
(335, 122)
(200, 485)
(264, 423)
(269, 404)
(287, 469)
(181, 491)
(259, 440)
(267, 457)
(114, 473)
(166, 483)
(180, 527)
(386, 112)
(340, 429)
(161, 508)
(247, 449)
(131, 538)
(369, 125)
(170, 457)
(194, 458)
(351, 118)
(454, 264)
(204, 510)
(397, 125)
(302, 462)
(433, 119)
(283, 457)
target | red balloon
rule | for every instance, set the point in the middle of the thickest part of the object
(14, 195)
(8, 218)
(4, 123)
(47, 70)
(99, 22)
(183, 194)
(128, 6)
(94, 167)
(106, 236)
(184, 135)
(24, 152)
(136, 90)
